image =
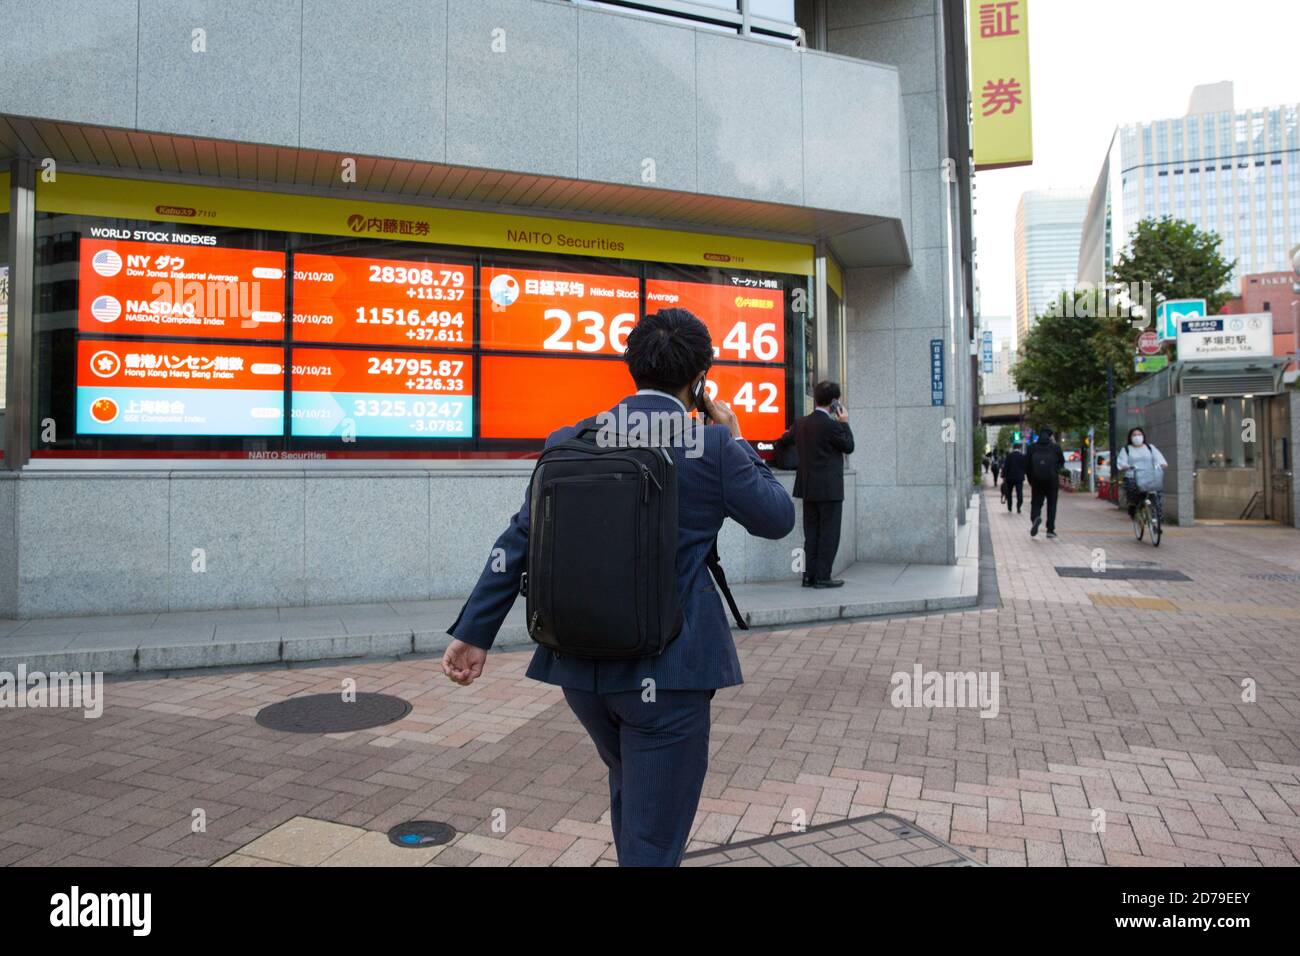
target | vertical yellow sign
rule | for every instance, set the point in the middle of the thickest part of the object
(999, 63)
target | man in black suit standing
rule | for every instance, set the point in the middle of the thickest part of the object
(822, 439)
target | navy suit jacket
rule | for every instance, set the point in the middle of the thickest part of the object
(729, 480)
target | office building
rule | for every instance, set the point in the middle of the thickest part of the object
(300, 287)
(1229, 171)
(1048, 226)
(1277, 293)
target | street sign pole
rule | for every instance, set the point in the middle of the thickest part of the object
(1092, 459)
(1110, 402)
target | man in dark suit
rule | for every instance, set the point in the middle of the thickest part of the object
(1043, 464)
(822, 439)
(649, 718)
(1013, 477)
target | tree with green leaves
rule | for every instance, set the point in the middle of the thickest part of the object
(1175, 260)
(1060, 369)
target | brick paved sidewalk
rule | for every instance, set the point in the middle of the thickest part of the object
(1119, 696)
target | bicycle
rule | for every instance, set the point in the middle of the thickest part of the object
(1147, 516)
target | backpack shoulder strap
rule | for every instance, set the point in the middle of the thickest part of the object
(585, 426)
(714, 563)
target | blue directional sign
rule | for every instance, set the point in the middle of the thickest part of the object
(936, 372)
(1172, 311)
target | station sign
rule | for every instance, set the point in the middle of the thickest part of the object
(1226, 337)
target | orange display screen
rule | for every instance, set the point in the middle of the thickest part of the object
(563, 312)
(757, 396)
(530, 397)
(356, 393)
(484, 356)
(395, 373)
(362, 301)
(168, 289)
(747, 324)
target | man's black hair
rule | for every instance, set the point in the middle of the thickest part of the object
(824, 393)
(667, 349)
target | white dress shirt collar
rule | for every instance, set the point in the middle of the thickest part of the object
(655, 391)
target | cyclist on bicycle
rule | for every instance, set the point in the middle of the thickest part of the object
(1143, 467)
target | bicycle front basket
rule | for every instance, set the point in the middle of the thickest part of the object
(1151, 481)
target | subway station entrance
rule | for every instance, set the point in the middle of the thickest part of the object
(1228, 429)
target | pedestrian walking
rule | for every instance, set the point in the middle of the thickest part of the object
(1046, 459)
(649, 715)
(1013, 478)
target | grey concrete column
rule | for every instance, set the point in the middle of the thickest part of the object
(18, 371)
(1185, 479)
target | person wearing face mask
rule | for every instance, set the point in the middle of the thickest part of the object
(1143, 469)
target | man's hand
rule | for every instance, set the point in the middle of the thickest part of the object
(842, 415)
(462, 662)
(722, 414)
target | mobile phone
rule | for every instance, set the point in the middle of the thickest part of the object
(697, 399)
(836, 407)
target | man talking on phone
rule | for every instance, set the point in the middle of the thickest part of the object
(822, 439)
(649, 717)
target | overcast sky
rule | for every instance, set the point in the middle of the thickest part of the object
(1098, 64)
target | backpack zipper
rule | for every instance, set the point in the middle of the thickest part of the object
(647, 476)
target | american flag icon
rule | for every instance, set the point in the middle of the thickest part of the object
(106, 308)
(106, 262)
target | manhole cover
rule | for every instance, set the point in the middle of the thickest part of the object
(1124, 574)
(420, 833)
(1276, 576)
(331, 714)
(880, 839)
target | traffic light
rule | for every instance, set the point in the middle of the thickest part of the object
(1015, 437)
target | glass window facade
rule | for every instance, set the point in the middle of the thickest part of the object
(4, 311)
(1230, 174)
(1218, 432)
(835, 359)
(160, 339)
(1049, 225)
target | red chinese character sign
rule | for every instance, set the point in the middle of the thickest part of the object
(1002, 124)
(999, 19)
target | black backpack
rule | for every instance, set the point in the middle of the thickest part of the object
(785, 455)
(1042, 463)
(601, 582)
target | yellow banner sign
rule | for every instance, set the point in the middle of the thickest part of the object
(999, 64)
(4, 193)
(834, 277)
(330, 216)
